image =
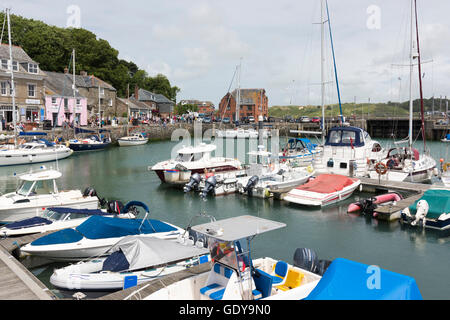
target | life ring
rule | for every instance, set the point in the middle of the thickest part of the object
(381, 168)
(446, 166)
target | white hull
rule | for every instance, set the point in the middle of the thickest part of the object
(124, 142)
(19, 157)
(189, 289)
(70, 199)
(88, 275)
(320, 199)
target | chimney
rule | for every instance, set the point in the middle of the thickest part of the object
(136, 92)
(66, 70)
(83, 73)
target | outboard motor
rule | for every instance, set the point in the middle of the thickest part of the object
(307, 259)
(89, 192)
(252, 182)
(368, 206)
(115, 207)
(210, 186)
(193, 183)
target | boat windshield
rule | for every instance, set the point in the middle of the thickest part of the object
(25, 188)
(54, 216)
(184, 157)
(223, 252)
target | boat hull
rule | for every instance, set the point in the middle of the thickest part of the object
(9, 159)
(130, 143)
(80, 147)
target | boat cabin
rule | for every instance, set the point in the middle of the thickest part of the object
(299, 145)
(347, 137)
(233, 275)
(190, 154)
(38, 183)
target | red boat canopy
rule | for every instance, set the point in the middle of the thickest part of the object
(327, 183)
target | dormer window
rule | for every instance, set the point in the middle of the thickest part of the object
(5, 64)
(33, 68)
(15, 66)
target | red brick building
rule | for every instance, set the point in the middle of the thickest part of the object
(254, 102)
(206, 107)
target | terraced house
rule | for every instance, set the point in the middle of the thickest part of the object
(29, 84)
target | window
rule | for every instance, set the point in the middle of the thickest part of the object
(15, 66)
(78, 102)
(53, 100)
(3, 88)
(102, 91)
(5, 64)
(32, 68)
(32, 90)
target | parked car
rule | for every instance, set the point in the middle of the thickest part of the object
(226, 120)
(206, 120)
(315, 120)
(305, 119)
(251, 119)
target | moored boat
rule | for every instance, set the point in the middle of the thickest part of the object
(367, 206)
(135, 139)
(432, 210)
(96, 235)
(38, 191)
(324, 190)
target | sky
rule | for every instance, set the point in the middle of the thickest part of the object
(198, 44)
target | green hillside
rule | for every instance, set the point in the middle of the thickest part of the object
(389, 109)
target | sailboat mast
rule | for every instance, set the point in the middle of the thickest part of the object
(420, 79)
(411, 60)
(334, 62)
(322, 68)
(13, 87)
(74, 93)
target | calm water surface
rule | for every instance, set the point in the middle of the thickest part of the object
(122, 174)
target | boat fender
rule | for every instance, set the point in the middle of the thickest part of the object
(422, 211)
(310, 169)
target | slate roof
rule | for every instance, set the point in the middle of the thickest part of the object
(134, 104)
(145, 95)
(18, 54)
(60, 84)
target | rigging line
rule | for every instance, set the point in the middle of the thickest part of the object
(229, 98)
(334, 61)
(63, 93)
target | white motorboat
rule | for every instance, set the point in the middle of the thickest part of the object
(135, 139)
(54, 219)
(192, 160)
(95, 236)
(234, 275)
(300, 151)
(404, 164)
(348, 151)
(38, 191)
(324, 190)
(33, 152)
(132, 261)
(265, 178)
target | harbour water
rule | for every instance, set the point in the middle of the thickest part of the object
(122, 174)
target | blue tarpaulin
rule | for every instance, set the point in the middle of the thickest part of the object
(32, 134)
(98, 227)
(349, 280)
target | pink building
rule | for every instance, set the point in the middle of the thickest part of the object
(59, 109)
(60, 103)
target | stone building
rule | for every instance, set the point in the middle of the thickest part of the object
(156, 102)
(205, 107)
(254, 102)
(29, 86)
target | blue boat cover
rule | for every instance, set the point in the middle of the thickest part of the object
(98, 227)
(46, 142)
(88, 212)
(32, 134)
(356, 142)
(28, 223)
(80, 130)
(349, 280)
